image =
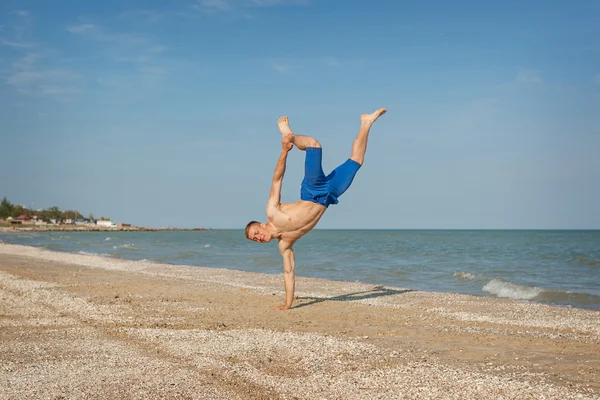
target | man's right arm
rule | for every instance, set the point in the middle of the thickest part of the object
(289, 279)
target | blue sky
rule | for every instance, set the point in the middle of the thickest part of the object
(164, 113)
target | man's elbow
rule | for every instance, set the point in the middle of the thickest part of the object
(285, 252)
(288, 270)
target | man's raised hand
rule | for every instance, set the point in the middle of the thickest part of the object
(286, 142)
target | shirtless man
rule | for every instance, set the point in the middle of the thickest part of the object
(289, 222)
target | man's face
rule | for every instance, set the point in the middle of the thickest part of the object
(259, 233)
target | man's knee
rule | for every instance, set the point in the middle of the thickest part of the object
(312, 142)
(357, 158)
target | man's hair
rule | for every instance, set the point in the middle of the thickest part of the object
(249, 225)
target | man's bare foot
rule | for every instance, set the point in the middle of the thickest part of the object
(283, 307)
(370, 118)
(284, 126)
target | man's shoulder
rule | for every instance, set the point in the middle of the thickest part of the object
(290, 206)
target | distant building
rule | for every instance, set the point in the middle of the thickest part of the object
(23, 219)
(106, 223)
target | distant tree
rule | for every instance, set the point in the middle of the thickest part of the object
(6, 208)
(70, 214)
(17, 210)
(53, 212)
(91, 217)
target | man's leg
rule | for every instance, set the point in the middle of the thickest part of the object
(341, 178)
(314, 178)
(300, 141)
(359, 147)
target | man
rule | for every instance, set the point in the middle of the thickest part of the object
(289, 222)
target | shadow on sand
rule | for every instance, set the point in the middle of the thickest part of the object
(377, 291)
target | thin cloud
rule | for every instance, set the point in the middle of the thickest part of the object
(130, 47)
(144, 55)
(29, 78)
(529, 76)
(157, 49)
(21, 28)
(123, 39)
(145, 16)
(44, 82)
(155, 70)
(26, 62)
(332, 62)
(474, 113)
(282, 68)
(81, 28)
(229, 6)
(16, 44)
(111, 80)
(213, 6)
(21, 13)
(35, 78)
(277, 3)
(141, 59)
(53, 90)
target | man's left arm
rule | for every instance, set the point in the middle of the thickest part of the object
(275, 194)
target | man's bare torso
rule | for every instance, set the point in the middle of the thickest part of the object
(294, 220)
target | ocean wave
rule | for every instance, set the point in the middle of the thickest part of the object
(184, 255)
(507, 289)
(466, 276)
(60, 237)
(511, 290)
(107, 239)
(125, 246)
(566, 297)
(586, 261)
(87, 253)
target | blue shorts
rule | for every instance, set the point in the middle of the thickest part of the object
(321, 189)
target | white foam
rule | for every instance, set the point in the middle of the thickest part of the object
(466, 276)
(206, 245)
(107, 239)
(124, 246)
(511, 290)
(85, 253)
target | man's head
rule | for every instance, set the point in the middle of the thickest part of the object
(258, 232)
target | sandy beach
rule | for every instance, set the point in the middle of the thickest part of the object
(79, 326)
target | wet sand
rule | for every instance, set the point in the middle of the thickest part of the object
(78, 326)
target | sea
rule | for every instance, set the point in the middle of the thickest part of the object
(560, 268)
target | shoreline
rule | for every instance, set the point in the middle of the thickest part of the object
(493, 286)
(94, 229)
(177, 331)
